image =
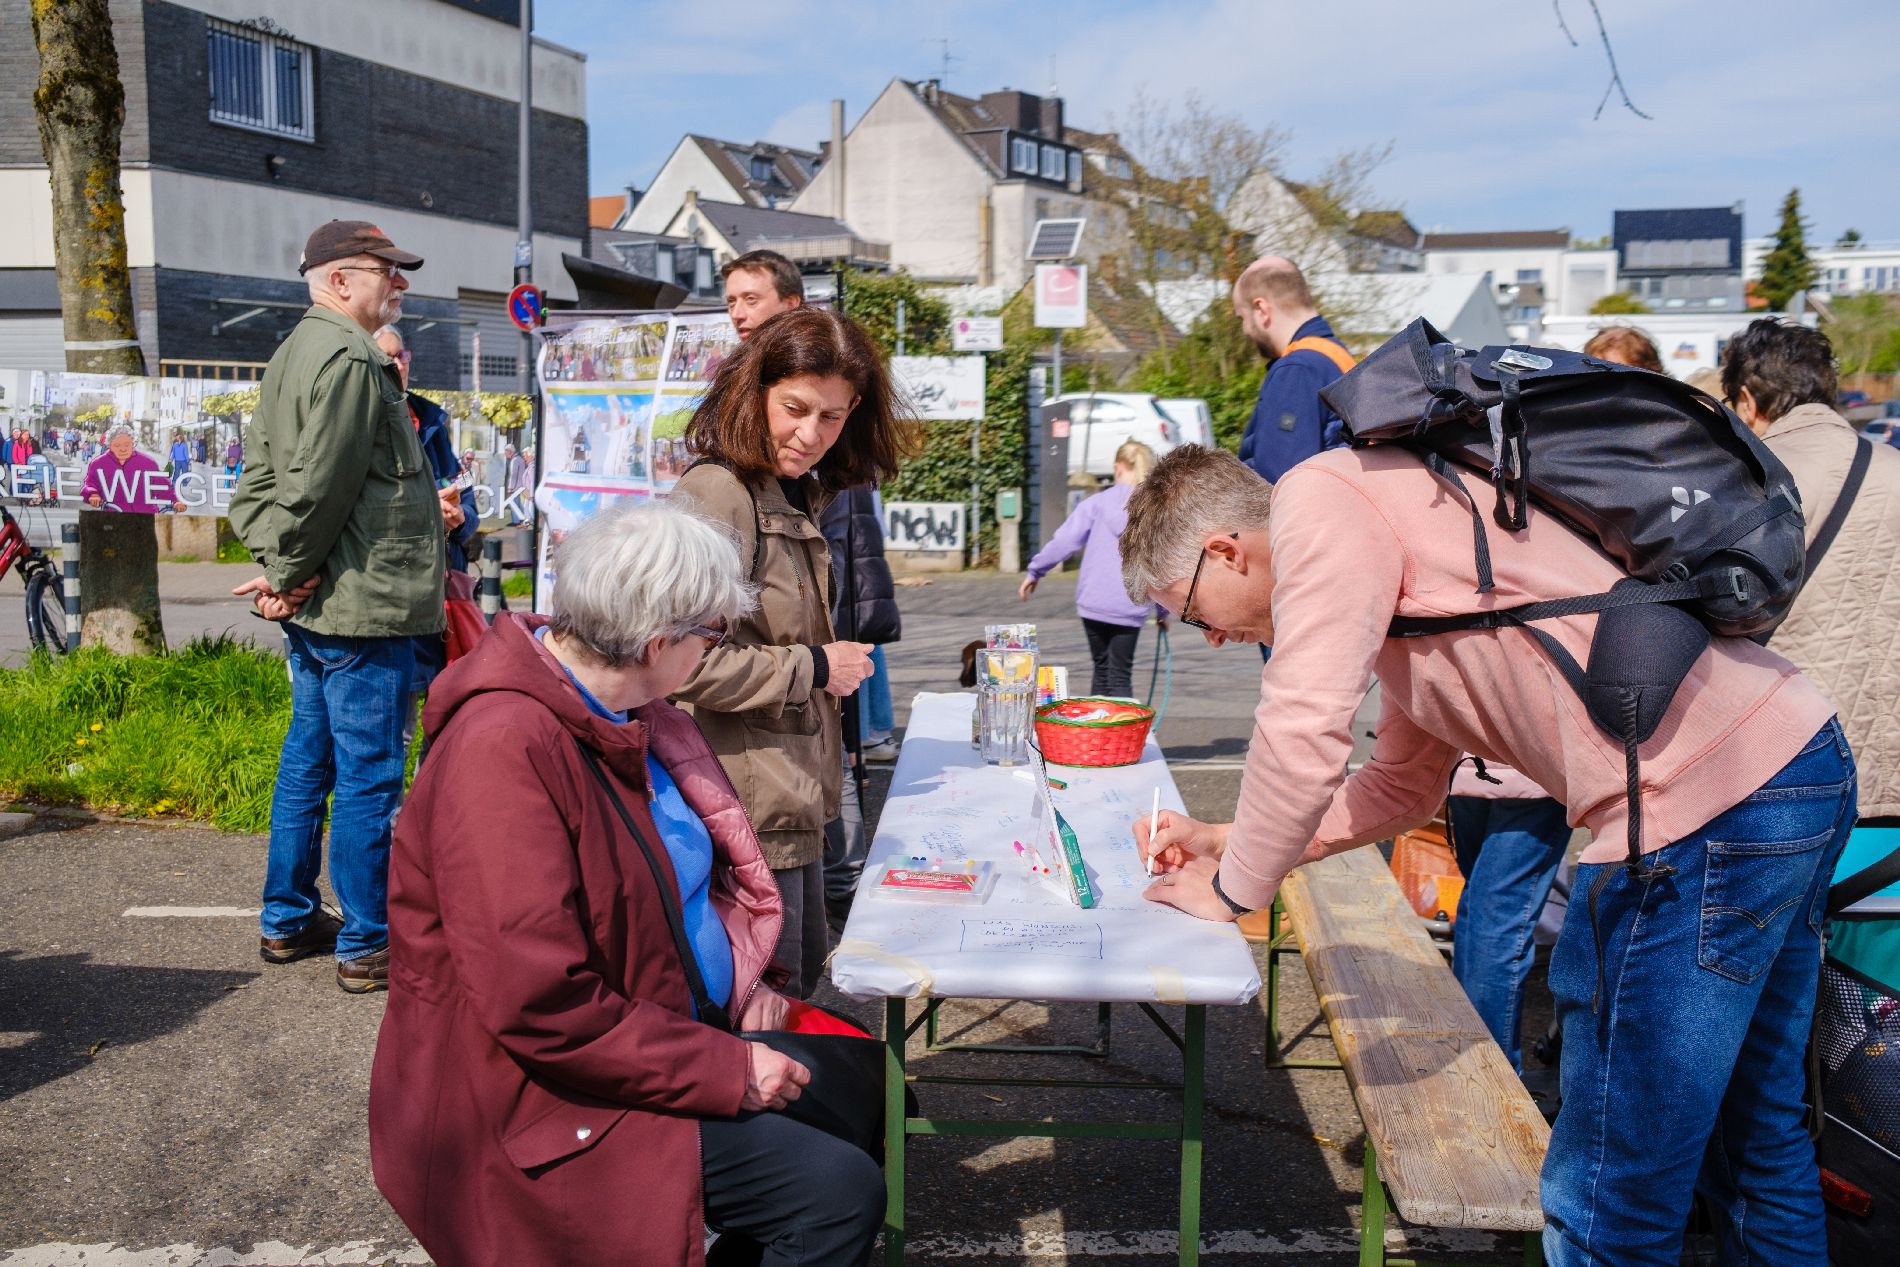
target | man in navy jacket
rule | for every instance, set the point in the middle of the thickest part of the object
(1290, 423)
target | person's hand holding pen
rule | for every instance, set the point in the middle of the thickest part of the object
(1167, 839)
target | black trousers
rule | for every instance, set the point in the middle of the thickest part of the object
(788, 1195)
(1112, 647)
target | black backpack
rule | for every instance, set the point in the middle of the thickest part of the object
(1669, 482)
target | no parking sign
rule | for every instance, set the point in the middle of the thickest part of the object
(525, 306)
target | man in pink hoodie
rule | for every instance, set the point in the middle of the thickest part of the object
(1685, 994)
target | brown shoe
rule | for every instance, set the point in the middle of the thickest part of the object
(365, 974)
(318, 937)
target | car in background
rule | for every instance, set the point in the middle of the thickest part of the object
(1099, 423)
(1196, 421)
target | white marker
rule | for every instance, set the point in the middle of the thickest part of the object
(1154, 823)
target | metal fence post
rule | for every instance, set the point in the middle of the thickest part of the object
(491, 579)
(69, 581)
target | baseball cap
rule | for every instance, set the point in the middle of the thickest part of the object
(340, 239)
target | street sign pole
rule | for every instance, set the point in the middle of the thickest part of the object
(524, 202)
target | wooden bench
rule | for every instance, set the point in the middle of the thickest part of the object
(1452, 1138)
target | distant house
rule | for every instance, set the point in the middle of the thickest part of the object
(746, 173)
(814, 243)
(1536, 273)
(1685, 257)
(956, 184)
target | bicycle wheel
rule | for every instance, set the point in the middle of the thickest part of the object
(46, 613)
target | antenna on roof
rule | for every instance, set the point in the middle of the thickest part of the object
(1054, 91)
(943, 41)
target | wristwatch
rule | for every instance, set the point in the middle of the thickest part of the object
(1232, 905)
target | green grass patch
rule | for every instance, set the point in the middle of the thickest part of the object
(196, 733)
(519, 584)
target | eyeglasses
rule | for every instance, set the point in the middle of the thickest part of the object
(715, 636)
(387, 270)
(1188, 602)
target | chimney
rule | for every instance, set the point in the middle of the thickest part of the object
(1051, 120)
(932, 90)
(835, 158)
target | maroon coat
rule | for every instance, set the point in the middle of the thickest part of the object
(539, 1076)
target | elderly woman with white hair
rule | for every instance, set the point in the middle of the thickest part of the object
(546, 1088)
(124, 479)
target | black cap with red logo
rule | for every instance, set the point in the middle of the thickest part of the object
(341, 239)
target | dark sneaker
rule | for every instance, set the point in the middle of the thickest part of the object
(366, 973)
(318, 937)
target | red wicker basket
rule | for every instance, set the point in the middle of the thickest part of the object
(1092, 731)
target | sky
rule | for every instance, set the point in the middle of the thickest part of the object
(1487, 107)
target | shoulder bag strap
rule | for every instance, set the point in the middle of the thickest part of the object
(1843, 502)
(758, 533)
(708, 1011)
(1863, 883)
(1831, 526)
(1325, 347)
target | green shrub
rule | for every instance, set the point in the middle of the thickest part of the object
(195, 733)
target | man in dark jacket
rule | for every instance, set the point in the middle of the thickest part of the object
(337, 504)
(863, 609)
(460, 520)
(1290, 422)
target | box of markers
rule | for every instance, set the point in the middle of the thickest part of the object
(914, 879)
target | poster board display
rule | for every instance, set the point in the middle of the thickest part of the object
(618, 394)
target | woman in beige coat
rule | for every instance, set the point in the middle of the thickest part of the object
(801, 410)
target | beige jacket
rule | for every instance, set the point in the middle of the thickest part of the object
(778, 736)
(1844, 629)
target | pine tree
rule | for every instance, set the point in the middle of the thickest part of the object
(1787, 270)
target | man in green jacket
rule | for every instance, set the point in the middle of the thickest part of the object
(338, 505)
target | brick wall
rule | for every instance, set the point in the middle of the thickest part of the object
(20, 72)
(382, 136)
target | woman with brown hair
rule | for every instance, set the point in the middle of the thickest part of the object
(1625, 345)
(800, 411)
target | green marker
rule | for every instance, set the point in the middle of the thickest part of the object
(1072, 856)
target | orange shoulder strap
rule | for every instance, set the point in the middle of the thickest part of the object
(1325, 347)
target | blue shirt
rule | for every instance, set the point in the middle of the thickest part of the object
(1290, 422)
(689, 845)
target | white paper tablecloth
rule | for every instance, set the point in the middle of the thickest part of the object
(1027, 941)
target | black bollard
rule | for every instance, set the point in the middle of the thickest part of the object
(69, 580)
(491, 579)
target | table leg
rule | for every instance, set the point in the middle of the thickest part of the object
(1372, 1212)
(1193, 1085)
(894, 1132)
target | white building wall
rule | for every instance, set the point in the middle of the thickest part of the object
(437, 41)
(1687, 341)
(912, 183)
(687, 167)
(1871, 266)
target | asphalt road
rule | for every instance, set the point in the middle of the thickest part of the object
(167, 1100)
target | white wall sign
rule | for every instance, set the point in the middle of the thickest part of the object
(924, 526)
(977, 334)
(1062, 296)
(944, 388)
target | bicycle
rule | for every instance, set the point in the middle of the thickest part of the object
(45, 591)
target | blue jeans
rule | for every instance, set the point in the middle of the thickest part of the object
(1688, 1075)
(347, 697)
(1509, 852)
(875, 719)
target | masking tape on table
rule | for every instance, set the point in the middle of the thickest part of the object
(1170, 986)
(877, 954)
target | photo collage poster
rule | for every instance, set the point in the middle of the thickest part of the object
(618, 394)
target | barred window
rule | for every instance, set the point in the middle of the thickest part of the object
(260, 80)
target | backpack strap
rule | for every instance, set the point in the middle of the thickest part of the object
(1326, 347)
(1708, 585)
(758, 535)
(703, 1006)
(1863, 883)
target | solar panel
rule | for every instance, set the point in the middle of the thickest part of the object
(1055, 239)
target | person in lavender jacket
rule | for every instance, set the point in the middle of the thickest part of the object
(1110, 619)
(121, 478)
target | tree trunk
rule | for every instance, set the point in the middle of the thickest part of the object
(118, 583)
(80, 104)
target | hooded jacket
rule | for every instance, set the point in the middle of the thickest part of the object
(539, 1077)
(760, 698)
(1844, 629)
